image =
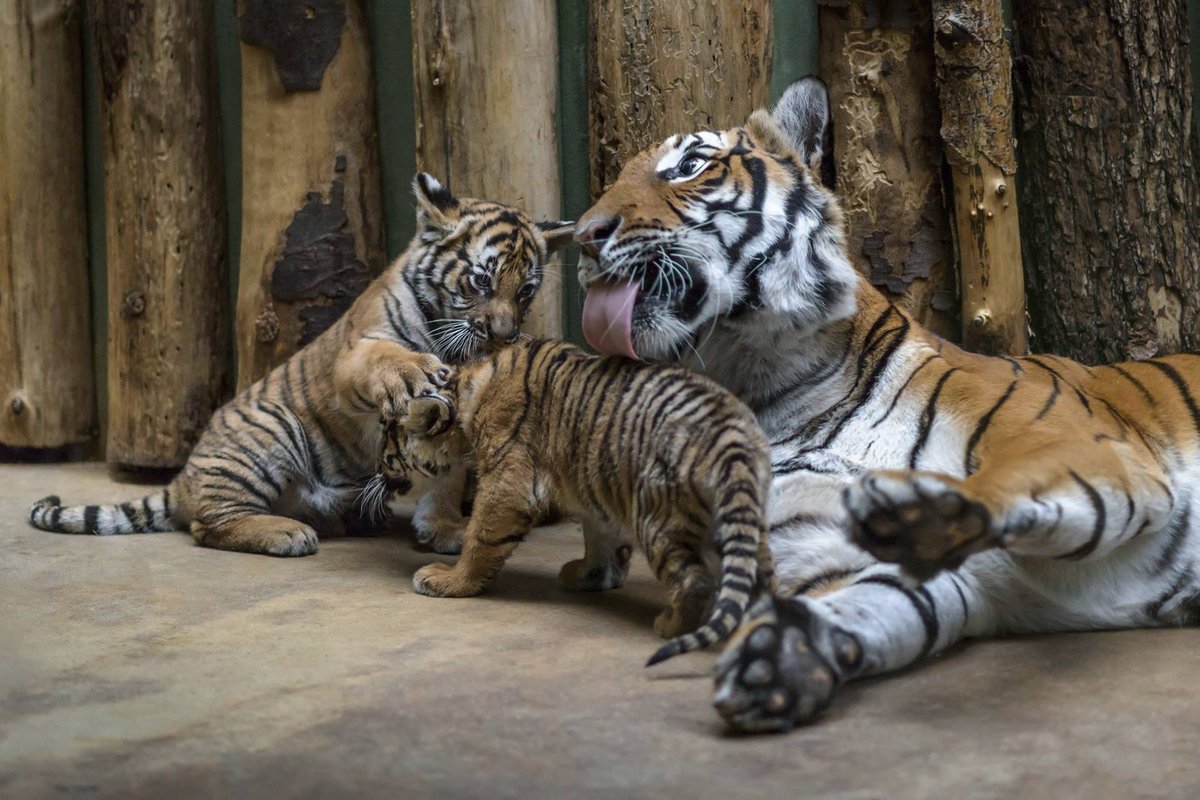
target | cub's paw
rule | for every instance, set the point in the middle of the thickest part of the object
(429, 415)
(442, 580)
(782, 666)
(440, 530)
(921, 521)
(398, 383)
(583, 576)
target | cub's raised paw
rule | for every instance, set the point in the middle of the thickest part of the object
(441, 532)
(782, 666)
(442, 580)
(921, 521)
(398, 384)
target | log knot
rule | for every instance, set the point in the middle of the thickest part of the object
(134, 304)
(266, 326)
(303, 35)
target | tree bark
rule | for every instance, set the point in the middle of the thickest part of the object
(312, 220)
(486, 84)
(165, 227)
(674, 66)
(974, 69)
(1112, 196)
(47, 398)
(878, 61)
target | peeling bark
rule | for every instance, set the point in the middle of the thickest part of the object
(1111, 193)
(312, 219)
(877, 58)
(974, 69)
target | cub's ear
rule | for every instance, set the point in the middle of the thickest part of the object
(558, 233)
(437, 209)
(802, 119)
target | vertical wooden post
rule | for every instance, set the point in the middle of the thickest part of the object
(486, 84)
(164, 206)
(46, 385)
(312, 222)
(674, 66)
(878, 63)
(974, 69)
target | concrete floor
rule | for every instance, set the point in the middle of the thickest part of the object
(144, 666)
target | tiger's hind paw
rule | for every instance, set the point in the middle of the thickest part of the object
(921, 521)
(782, 667)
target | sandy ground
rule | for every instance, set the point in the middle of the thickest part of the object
(145, 666)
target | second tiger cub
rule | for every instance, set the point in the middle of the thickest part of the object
(634, 450)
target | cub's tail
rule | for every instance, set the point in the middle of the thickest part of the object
(746, 567)
(152, 513)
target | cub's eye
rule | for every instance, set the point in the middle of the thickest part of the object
(527, 292)
(691, 166)
(481, 281)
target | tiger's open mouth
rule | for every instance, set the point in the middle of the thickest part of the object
(616, 308)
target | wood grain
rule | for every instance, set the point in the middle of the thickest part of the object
(486, 87)
(168, 353)
(47, 397)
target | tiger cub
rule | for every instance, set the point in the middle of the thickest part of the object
(653, 452)
(288, 456)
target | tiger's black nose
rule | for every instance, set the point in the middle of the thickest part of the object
(595, 233)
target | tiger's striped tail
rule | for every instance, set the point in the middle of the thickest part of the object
(738, 526)
(150, 514)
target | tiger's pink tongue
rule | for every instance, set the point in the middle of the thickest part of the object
(608, 318)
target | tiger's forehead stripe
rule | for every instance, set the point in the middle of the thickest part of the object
(678, 147)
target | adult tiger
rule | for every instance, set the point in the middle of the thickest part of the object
(298, 446)
(1068, 490)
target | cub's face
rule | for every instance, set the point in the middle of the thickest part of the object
(480, 268)
(714, 225)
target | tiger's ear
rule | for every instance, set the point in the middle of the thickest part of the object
(437, 209)
(558, 233)
(802, 119)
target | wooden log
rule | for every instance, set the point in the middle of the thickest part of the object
(878, 62)
(1111, 193)
(486, 87)
(974, 69)
(312, 220)
(47, 397)
(674, 66)
(165, 227)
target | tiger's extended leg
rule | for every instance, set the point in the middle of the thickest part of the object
(607, 553)
(1059, 506)
(503, 516)
(1064, 500)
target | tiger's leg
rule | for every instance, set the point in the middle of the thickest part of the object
(673, 547)
(503, 515)
(438, 517)
(258, 533)
(607, 553)
(785, 661)
(1068, 502)
(377, 375)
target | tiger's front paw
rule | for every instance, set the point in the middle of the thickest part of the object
(397, 383)
(921, 521)
(443, 580)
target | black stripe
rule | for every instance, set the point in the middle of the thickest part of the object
(1177, 532)
(825, 578)
(1101, 515)
(1079, 394)
(927, 417)
(900, 391)
(970, 464)
(1184, 392)
(928, 617)
(1055, 391)
(91, 519)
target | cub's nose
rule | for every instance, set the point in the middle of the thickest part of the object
(595, 232)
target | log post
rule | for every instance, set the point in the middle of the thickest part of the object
(165, 227)
(486, 87)
(878, 62)
(312, 220)
(656, 69)
(1112, 189)
(46, 386)
(974, 69)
